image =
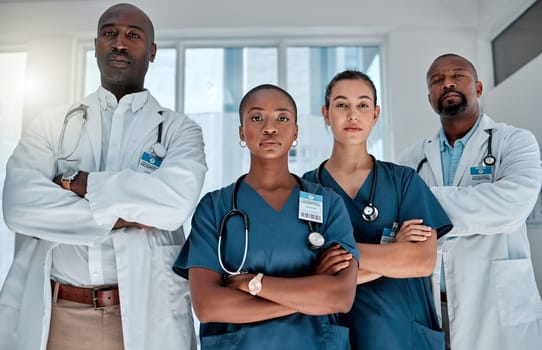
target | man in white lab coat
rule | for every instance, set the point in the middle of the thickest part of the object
(98, 194)
(487, 176)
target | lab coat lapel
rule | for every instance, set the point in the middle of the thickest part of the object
(94, 129)
(431, 150)
(473, 152)
(148, 119)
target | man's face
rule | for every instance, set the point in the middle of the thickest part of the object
(124, 47)
(452, 86)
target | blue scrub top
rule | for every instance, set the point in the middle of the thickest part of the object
(392, 313)
(277, 247)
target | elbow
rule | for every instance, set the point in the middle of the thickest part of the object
(203, 312)
(427, 265)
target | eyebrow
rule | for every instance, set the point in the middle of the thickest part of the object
(458, 69)
(360, 97)
(131, 26)
(276, 110)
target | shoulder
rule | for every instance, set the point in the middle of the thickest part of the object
(395, 170)
(413, 153)
(328, 194)
(310, 176)
(509, 134)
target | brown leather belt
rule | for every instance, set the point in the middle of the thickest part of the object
(98, 297)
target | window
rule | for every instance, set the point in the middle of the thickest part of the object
(214, 77)
(12, 71)
(519, 43)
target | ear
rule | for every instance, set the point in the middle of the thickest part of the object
(429, 98)
(325, 114)
(296, 132)
(95, 47)
(377, 114)
(153, 52)
(479, 88)
(241, 133)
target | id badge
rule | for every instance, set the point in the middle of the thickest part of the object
(388, 234)
(481, 173)
(311, 207)
(149, 163)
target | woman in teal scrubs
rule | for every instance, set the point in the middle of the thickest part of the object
(278, 301)
(396, 235)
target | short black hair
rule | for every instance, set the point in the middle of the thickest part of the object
(349, 75)
(265, 87)
(446, 55)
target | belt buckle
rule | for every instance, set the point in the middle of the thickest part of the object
(95, 296)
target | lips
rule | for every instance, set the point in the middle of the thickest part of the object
(449, 94)
(120, 61)
(352, 128)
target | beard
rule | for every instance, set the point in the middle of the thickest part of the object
(453, 108)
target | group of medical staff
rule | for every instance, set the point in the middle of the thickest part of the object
(358, 253)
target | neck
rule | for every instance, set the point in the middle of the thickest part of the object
(269, 174)
(349, 157)
(456, 127)
(122, 90)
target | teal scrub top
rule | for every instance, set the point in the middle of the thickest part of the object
(392, 313)
(277, 247)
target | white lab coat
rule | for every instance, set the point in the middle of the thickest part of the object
(493, 301)
(155, 303)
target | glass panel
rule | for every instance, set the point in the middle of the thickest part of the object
(215, 81)
(309, 69)
(160, 79)
(217, 78)
(12, 71)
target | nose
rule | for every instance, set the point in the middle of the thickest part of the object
(269, 127)
(119, 44)
(353, 115)
(448, 84)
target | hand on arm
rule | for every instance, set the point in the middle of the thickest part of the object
(413, 231)
(214, 301)
(79, 187)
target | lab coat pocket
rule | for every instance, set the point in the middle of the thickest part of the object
(517, 294)
(427, 338)
(173, 285)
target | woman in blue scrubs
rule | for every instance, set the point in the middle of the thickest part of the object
(394, 308)
(278, 302)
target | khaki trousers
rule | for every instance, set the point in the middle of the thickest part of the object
(78, 326)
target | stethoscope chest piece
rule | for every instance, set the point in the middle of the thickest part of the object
(369, 213)
(489, 160)
(315, 240)
(159, 150)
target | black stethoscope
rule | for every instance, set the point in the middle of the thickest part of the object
(370, 212)
(315, 240)
(488, 160)
(157, 149)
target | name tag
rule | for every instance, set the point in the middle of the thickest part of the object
(481, 173)
(149, 163)
(388, 234)
(311, 207)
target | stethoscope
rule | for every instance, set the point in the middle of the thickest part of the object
(315, 240)
(487, 160)
(157, 149)
(370, 212)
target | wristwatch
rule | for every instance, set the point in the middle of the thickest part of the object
(68, 177)
(255, 284)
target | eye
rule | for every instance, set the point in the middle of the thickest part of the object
(363, 105)
(341, 105)
(256, 118)
(134, 35)
(108, 33)
(457, 76)
(283, 118)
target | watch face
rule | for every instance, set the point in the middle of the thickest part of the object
(70, 174)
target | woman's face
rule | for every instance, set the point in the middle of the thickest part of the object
(352, 113)
(269, 124)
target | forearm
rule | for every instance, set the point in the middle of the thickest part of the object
(313, 295)
(399, 259)
(365, 276)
